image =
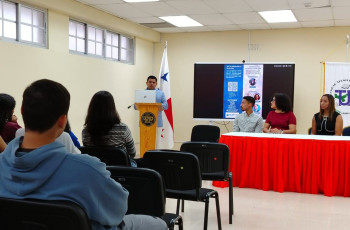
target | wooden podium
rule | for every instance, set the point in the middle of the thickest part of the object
(148, 125)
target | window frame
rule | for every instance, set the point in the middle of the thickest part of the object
(18, 24)
(130, 60)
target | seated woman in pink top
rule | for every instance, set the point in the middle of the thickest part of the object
(8, 121)
(282, 119)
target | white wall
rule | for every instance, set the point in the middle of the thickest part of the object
(306, 47)
(83, 76)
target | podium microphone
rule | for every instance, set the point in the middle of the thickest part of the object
(130, 106)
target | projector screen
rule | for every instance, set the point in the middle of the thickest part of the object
(219, 87)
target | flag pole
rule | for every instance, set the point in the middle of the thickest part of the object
(347, 48)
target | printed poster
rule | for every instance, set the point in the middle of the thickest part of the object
(337, 83)
(233, 85)
(253, 83)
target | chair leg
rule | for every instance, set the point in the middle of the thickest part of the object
(178, 207)
(231, 209)
(206, 214)
(183, 206)
(180, 223)
(218, 210)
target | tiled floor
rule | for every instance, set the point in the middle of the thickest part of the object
(256, 209)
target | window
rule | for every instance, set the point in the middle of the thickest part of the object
(127, 49)
(22, 23)
(94, 41)
(112, 43)
(8, 17)
(77, 36)
(32, 25)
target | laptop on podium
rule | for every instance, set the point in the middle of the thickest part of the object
(145, 96)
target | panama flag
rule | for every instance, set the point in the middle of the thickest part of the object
(165, 138)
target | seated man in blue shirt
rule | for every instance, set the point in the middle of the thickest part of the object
(38, 167)
(248, 121)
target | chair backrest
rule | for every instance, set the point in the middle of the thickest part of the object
(146, 189)
(210, 133)
(42, 215)
(309, 130)
(180, 170)
(213, 157)
(108, 154)
(346, 131)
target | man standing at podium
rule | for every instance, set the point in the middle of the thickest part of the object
(160, 98)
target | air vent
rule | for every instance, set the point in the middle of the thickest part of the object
(158, 25)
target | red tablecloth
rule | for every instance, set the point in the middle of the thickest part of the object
(294, 165)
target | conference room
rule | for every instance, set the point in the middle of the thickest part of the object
(59, 48)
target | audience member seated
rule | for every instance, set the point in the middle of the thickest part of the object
(327, 121)
(2, 145)
(282, 119)
(71, 134)
(8, 121)
(38, 167)
(248, 121)
(64, 138)
(103, 126)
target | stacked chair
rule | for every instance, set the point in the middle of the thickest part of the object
(214, 164)
(42, 215)
(213, 157)
(182, 178)
(146, 193)
(109, 155)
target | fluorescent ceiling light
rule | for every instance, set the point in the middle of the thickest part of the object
(181, 21)
(140, 0)
(278, 16)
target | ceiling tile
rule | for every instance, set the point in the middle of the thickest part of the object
(263, 26)
(327, 23)
(146, 20)
(340, 3)
(228, 6)
(97, 2)
(307, 4)
(341, 12)
(211, 19)
(345, 22)
(285, 25)
(123, 10)
(196, 29)
(192, 7)
(267, 5)
(245, 18)
(222, 15)
(313, 14)
(224, 27)
(157, 8)
(169, 30)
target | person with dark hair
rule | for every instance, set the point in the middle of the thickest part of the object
(74, 138)
(8, 121)
(160, 97)
(103, 126)
(327, 121)
(281, 119)
(248, 121)
(2, 144)
(38, 167)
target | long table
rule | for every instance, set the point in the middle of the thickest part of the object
(295, 163)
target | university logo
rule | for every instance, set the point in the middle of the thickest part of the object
(340, 90)
(148, 119)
